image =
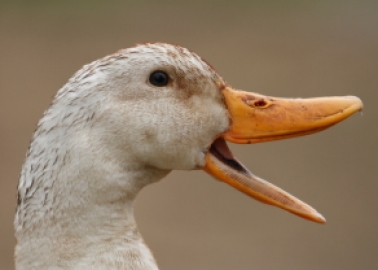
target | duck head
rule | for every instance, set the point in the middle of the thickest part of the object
(170, 110)
(127, 120)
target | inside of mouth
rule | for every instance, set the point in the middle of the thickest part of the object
(221, 151)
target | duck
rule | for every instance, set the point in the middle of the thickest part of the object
(127, 120)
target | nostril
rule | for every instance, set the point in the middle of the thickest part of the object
(260, 103)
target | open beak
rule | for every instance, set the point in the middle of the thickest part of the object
(256, 118)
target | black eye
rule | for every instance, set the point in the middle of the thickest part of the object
(159, 78)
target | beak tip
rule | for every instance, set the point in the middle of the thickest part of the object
(356, 102)
(319, 218)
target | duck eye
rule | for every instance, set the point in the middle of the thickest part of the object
(159, 78)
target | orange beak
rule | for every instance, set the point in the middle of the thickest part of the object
(256, 118)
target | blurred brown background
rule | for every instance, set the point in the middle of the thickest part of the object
(281, 48)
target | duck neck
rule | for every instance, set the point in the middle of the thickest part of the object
(76, 210)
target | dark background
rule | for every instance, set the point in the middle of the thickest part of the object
(280, 48)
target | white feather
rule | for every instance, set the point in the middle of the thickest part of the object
(107, 134)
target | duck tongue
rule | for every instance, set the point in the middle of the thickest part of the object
(256, 118)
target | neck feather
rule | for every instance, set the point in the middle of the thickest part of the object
(75, 206)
